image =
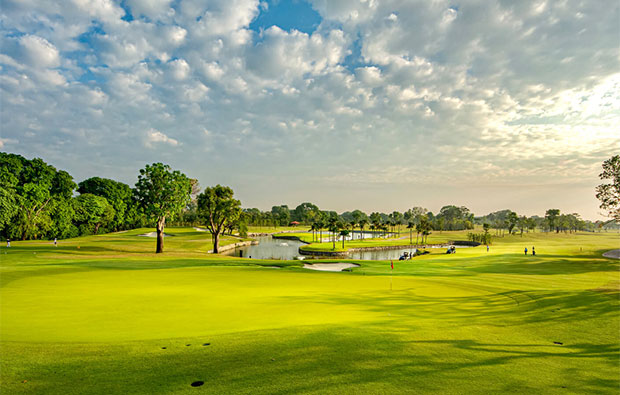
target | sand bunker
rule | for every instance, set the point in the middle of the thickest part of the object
(154, 234)
(613, 254)
(330, 267)
(200, 229)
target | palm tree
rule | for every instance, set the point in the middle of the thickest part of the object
(344, 233)
(362, 223)
(352, 223)
(320, 224)
(410, 226)
(313, 228)
(334, 228)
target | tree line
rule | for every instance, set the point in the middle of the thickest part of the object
(37, 201)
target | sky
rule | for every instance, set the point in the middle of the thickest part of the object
(348, 104)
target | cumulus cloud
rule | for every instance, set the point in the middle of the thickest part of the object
(495, 90)
(154, 136)
(38, 52)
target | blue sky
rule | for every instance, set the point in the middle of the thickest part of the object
(348, 104)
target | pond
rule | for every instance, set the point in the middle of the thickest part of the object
(269, 248)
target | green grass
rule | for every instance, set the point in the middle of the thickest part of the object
(95, 319)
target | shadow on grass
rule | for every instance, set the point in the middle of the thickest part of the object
(313, 360)
(500, 309)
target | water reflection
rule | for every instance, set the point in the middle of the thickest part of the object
(269, 248)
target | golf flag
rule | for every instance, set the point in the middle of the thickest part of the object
(392, 264)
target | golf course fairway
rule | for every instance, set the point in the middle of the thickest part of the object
(113, 317)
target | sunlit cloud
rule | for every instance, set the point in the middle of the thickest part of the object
(374, 93)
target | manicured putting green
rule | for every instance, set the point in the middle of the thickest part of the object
(112, 317)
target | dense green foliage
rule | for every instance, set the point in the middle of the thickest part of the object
(218, 208)
(162, 193)
(37, 201)
(609, 194)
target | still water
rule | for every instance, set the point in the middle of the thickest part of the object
(269, 248)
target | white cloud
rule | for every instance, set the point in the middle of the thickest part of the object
(38, 52)
(495, 87)
(179, 69)
(154, 9)
(3, 142)
(154, 136)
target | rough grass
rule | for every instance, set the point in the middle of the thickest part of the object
(97, 319)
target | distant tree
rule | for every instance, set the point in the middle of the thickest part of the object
(512, 220)
(424, 227)
(218, 208)
(609, 194)
(397, 217)
(333, 226)
(314, 228)
(362, 223)
(551, 216)
(376, 220)
(92, 212)
(522, 223)
(320, 223)
(531, 224)
(410, 226)
(344, 233)
(440, 223)
(417, 213)
(454, 218)
(162, 193)
(281, 214)
(305, 212)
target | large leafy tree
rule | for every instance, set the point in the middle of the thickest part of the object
(281, 214)
(118, 195)
(305, 212)
(609, 194)
(32, 186)
(551, 216)
(8, 207)
(162, 193)
(92, 212)
(218, 208)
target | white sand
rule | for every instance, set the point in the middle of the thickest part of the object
(614, 254)
(200, 229)
(154, 234)
(330, 267)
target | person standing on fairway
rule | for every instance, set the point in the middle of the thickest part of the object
(533, 251)
(487, 248)
(55, 242)
(8, 243)
(525, 250)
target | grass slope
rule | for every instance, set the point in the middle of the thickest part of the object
(112, 317)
